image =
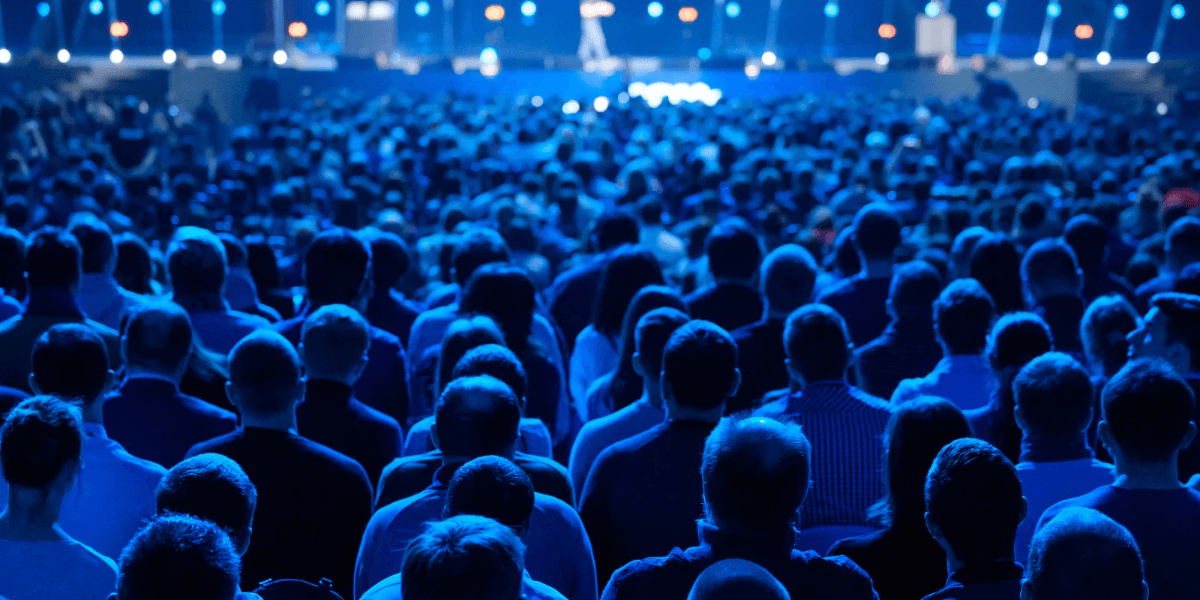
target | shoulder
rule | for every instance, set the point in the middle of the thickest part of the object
(218, 445)
(103, 565)
(541, 464)
(134, 465)
(108, 333)
(379, 336)
(374, 417)
(879, 405)
(836, 289)
(388, 589)
(407, 464)
(331, 458)
(434, 314)
(535, 590)
(205, 409)
(249, 320)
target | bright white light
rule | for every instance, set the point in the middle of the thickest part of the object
(529, 8)
(116, 56)
(1040, 59)
(1033, 103)
(932, 10)
(357, 11)
(489, 56)
(733, 10)
(676, 93)
(1103, 58)
(280, 57)
(5, 56)
(96, 7)
(1178, 11)
(831, 9)
(380, 10)
(769, 59)
(63, 55)
(489, 71)
(1120, 11)
(600, 104)
(882, 59)
(994, 10)
(322, 8)
(219, 57)
(1153, 58)
(422, 9)
(1161, 109)
(537, 101)
(655, 9)
(169, 56)
(753, 71)
(1054, 9)
(571, 107)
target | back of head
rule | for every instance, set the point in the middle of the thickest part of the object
(1088, 237)
(53, 259)
(789, 274)
(337, 267)
(963, 314)
(737, 579)
(214, 488)
(876, 232)
(182, 558)
(1183, 321)
(1183, 243)
(1106, 324)
(491, 487)
(389, 257)
(630, 269)
(496, 361)
(700, 366)
(1082, 553)
(733, 251)
(1049, 269)
(1054, 396)
(964, 245)
(916, 432)
(506, 294)
(235, 249)
(477, 247)
(334, 339)
(264, 374)
(476, 416)
(996, 264)
(463, 335)
(1016, 339)
(654, 330)
(95, 240)
(817, 343)
(196, 262)
(614, 228)
(40, 438)
(1147, 408)
(158, 337)
(70, 360)
(973, 497)
(915, 287)
(756, 473)
(466, 557)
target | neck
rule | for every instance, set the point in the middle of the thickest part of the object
(731, 281)
(681, 413)
(652, 392)
(876, 268)
(342, 378)
(1136, 475)
(454, 460)
(132, 370)
(93, 412)
(31, 515)
(283, 421)
(1054, 447)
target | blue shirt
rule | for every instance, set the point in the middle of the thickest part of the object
(103, 301)
(729, 305)
(151, 419)
(390, 588)
(221, 330)
(862, 302)
(597, 435)
(964, 379)
(904, 349)
(594, 356)
(995, 581)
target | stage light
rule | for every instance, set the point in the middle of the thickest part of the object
(63, 55)
(422, 9)
(600, 104)
(43, 9)
(380, 10)
(356, 11)
(155, 7)
(994, 10)
(831, 9)
(887, 31)
(1120, 11)
(116, 56)
(529, 8)
(494, 12)
(489, 71)
(932, 10)
(1040, 59)
(1033, 103)
(704, 54)
(297, 29)
(95, 7)
(1153, 58)
(733, 10)
(322, 8)
(218, 57)
(218, 7)
(882, 59)
(752, 71)
(118, 29)
(1084, 31)
(570, 108)
(689, 14)
(654, 9)
(5, 56)
(1103, 58)
(489, 56)
(1054, 9)
(280, 57)
(169, 56)
(1161, 109)
(769, 59)
(597, 9)
(1178, 11)
(537, 101)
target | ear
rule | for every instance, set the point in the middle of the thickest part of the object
(433, 436)
(109, 382)
(124, 349)
(637, 364)
(362, 365)
(1104, 434)
(33, 386)
(1024, 509)
(1020, 419)
(230, 395)
(667, 392)
(298, 394)
(1026, 589)
(934, 530)
(1189, 436)
(737, 383)
(112, 596)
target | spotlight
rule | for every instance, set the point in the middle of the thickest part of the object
(43, 9)
(704, 54)
(1103, 58)
(322, 8)
(882, 59)
(489, 71)
(769, 59)
(95, 7)
(537, 101)
(887, 31)
(831, 9)
(118, 29)
(753, 71)
(169, 56)
(63, 55)
(116, 56)
(219, 57)
(1120, 11)
(1053, 10)
(689, 14)
(218, 7)
(494, 12)
(994, 10)
(529, 8)
(1161, 109)
(280, 57)
(600, 104)
(5, 56)
(1084, 31)
(655, 9)
(1040, 59)
(932, 10)
(1178, 12)
(1033, 103)
(1153, 57)
(570, 108)
(297, 29)
(422, 9)
(733, 10)
(489, 56)
(155, 7)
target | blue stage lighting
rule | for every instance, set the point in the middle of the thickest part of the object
(1177, 11)
(218, 7)
(96, 7)
(43, 9)
(704, 54)
(655, 9)
(994, 9)
(1120, 11)
(529, 8)
(733, 9)
(489, 56)
(322, 8)
(1054, 9)
(932, 10)
(422, 8)
(155, 7)
(831, 9)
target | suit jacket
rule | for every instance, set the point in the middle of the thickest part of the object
(153, 420)
(331, 416)
(411, 474)
(45, 309)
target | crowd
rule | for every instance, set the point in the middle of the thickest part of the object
(461, 348)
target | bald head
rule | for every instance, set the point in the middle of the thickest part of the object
(737, 579)
(756, 473)
(476, 416)
(334, 343)
(264, 375)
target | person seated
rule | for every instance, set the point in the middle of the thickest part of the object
(973, 507)
(41, 448)
(1052, 281)
(787, 277)
(1082, 553)
(908, 347)
(1089, 239)
(334, 348)
(755, 475)
(734, 255)
(315, 502)
(1146, 411)
(863, 297)
(1181, 249)
(962, 318)
(388, 309)
(479, 416)
(179, 556)
(699, 373)
(337, 271)
(148, 414)
(903, 560)
(1053, 395)
(996, 265)
(53, 268)
(842, 418)
(734, 579)
(198, 267)
(241, 291)
(100, 296)
(213, 488)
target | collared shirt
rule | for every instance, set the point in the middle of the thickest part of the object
(331, 416)
(845, 426)
(390, 588)
(993, 581)
(221, 330)
(557, 553)
(964, 379)
(597, 435)
(532, 438)
(103, 301)
(1047, 482)
(152, 419)
(594, 356)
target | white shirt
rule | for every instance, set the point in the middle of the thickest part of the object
(594, 356)
(1048, 483)
(63, 570)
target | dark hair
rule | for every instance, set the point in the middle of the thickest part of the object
(389, 257)
(263, 265)
(755, 472)
(463, 558)
(654, 330)
(876, 231)
(737, 578)
(700, 364)
(235, 249)
(197, 263)
(916, 432)
(491, 487)
(53, 258)
(477, 247)
(614, 228)
(1053, 395)
(915, 286)
(1183, 321)
(12, 263)
(1016, 339)
(265, 368)
(963, 314)
(733, 250)
(1148, 408)
(464, 334)
(179, 557)
(504, 293)
(158, 336)
(210, 487)
(95, 239)
(40, 438)
(476, 416)
(1051, 266)
(1182, 245)
(496, 361)
(1082, 553)
(816, 341)
(1106, 324)
(625, 385)
(337, 267)
(135, 266)
(789, 274)
(1088, 237)
(964, 246)
(973, 496)
(996, 265)
(630, 269)
(70, 360)
(335, 338)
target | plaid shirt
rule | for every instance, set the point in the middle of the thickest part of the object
(845, 426)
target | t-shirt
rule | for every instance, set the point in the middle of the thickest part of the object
(60, 570)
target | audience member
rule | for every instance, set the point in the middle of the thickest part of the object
(733, 579)
(733, 300)
(1182, 248)
(436, 561)
(908, 347)
(101, 298)
(863, 297)
(212, 488)
(996, 265)
(1088, 238)
(1082, 553)
(181, 557)
(1052, 281)
(388, 309)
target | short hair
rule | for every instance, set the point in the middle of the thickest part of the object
(915, 287)
(158, 336)
(654, 330)
(95, 240)
(963, 313)
(179, 557)
(1183, 320)
(1088, 237)
(70, 360)
(40, 437)
(815, 339)
(196, 262)
(916, 432)
(337, 267)
(335, 337)
(211, 487)
(1054, 395)
(1104, 330)
(736, 579)
(477, 247)
(964, 245)
(733, 250)
(1082, 553)
(265, 370)
(700, 364)
(876, 231)
(1016, 339)
(996, 264)
(630, 269)
(53, 258)
(466, 557)
(1051, 265)
(389, 256)
(1147, 407)
(1183, 242)
(789, 274)
(492, 487)
(755, 471)
(476, 416)
(463, 335)
(497, 361)
(615, 228)
(973, 495)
